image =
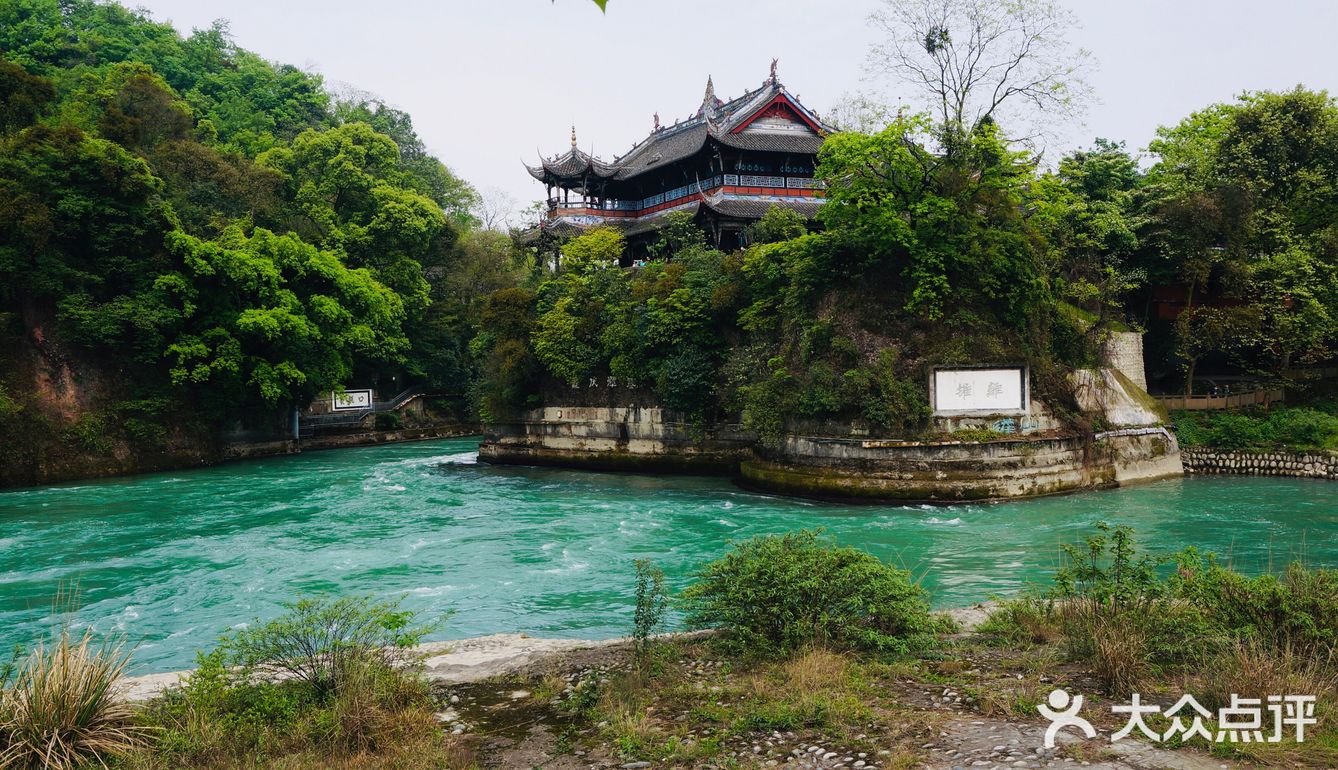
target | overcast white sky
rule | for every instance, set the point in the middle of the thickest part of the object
(492, 82)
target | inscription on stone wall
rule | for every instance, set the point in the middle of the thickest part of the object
(980, 390)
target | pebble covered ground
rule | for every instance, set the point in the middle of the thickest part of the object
(940, 728)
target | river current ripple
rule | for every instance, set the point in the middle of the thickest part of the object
(169, 561)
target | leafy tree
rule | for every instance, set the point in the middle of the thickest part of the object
(22, 96)
(1090, 214)
(678, 235)
(1245, 217)
(214, 232)
(952, 226)
(777, 224)
(600, 247)
(285, 321)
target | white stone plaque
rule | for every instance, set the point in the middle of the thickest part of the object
(351, 399)
(980, 390)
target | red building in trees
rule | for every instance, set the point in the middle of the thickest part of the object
(727, 165)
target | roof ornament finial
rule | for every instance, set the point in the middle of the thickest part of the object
(774, 62)
(573, 136)
(711, 104)
(657, 121)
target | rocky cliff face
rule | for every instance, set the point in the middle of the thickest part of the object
(64, 414)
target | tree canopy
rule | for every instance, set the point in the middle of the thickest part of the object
(219, 229)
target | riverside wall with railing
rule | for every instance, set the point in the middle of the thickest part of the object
(1307, 465)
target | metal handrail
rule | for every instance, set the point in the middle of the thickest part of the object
(342, 418)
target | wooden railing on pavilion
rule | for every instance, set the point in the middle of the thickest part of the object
(1233, 401)
(777, 184)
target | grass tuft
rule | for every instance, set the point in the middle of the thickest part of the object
(63, 711)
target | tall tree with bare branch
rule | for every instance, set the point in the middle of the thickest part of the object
(976, 61)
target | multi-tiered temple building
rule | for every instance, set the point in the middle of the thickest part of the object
(726, 165)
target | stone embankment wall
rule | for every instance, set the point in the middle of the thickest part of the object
(838, 463)
(614, 438)
(1309, 465)
(874, 470)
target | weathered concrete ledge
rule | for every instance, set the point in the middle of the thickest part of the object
(631, 438)
(160, 461)
(1305, 465)
(454, 662)
(485, 657)
(879, 471)
(254, 449)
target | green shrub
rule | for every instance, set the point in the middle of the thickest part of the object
(652, 600)
(775, 594)
(329, 678)
(89, 434)
(978, 435)
(686, 381)
(320, 641)
(1234, 430)
(1190, 429)
(1298, 428)
(1297, 610)
(1024, 620)
(1118, 610)
(1302, 428)
(388, 421)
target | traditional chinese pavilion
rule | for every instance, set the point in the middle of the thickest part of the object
(727, 165)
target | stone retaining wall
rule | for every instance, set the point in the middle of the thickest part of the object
(1123, 351)
(846, 469)
(629, 438)
(1309, 465)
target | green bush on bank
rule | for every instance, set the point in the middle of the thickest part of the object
(775, 594)
(1291, 428)
(1132, 616)
(330, 678)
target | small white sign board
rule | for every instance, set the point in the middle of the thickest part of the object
(993, 391)
(351, 399)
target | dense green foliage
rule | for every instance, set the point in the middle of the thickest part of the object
(662, 327)
(1131, 614)
(1295, 428)
(1240, 213)
(776, 594)
(219, 231)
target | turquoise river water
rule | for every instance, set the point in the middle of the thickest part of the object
(169, 561)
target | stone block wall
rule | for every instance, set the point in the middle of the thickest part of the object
(1124, 351)
(614, 438)
(1310, 465)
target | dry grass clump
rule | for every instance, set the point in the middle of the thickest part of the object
(1027, 620)
(1120, 653)
(63, 710)
(1252, 669)
(815, 669)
